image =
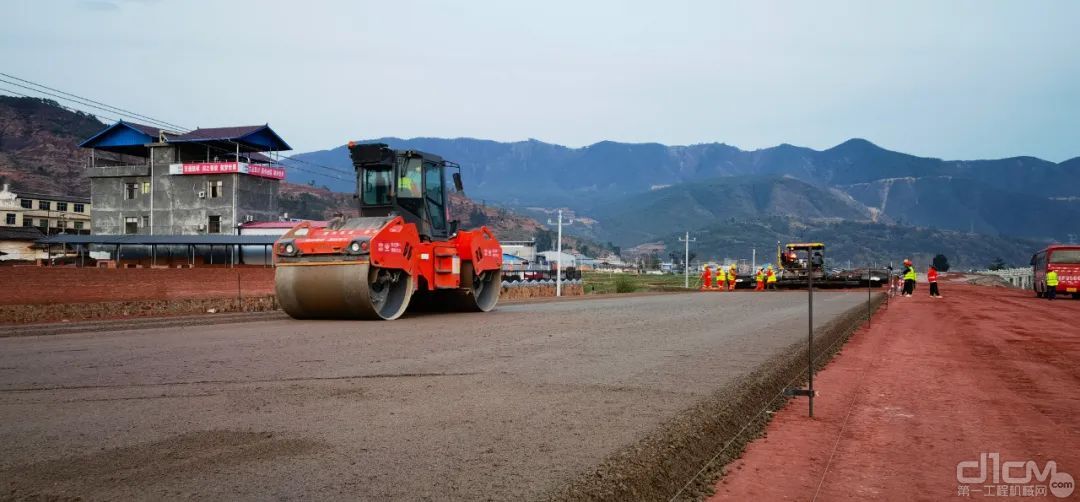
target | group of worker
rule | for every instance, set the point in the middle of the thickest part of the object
(909, 275)
(727, 277)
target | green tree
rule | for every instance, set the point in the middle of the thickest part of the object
(545, 240)
(478, 217)
(998, 264)
(941, 263)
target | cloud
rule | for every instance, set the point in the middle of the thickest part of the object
(99, 5)
(111, 5)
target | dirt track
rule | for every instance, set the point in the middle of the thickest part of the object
(507, 405)
(931, 384)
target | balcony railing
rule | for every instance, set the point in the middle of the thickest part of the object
(119, 170)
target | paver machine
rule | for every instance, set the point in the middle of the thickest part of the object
(401, 250)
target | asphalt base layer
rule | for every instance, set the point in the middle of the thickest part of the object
(595, 399)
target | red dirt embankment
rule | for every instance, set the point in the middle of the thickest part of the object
(43, 294)
(45, 285)
(931, 383)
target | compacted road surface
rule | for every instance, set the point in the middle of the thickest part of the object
(505, 405)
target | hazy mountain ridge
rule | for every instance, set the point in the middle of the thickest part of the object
(690, 206)
(1001, 197)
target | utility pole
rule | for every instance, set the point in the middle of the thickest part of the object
(686, 263)
(558, 255)
(753, 260)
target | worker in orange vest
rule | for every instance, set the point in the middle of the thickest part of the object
(760, 279)
(706, 278)
(721, 277)
(931, 277)
(731, 278)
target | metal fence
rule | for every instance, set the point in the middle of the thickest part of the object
(1023, 278)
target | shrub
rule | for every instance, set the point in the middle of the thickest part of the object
(624, 284)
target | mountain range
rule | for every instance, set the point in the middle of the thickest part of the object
(855, 180)
(866, 201)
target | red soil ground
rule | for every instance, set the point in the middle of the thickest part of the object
(929, 384)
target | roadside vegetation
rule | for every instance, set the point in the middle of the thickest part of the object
(608, 282)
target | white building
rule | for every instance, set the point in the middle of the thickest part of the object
(552, 257)
(526, 250)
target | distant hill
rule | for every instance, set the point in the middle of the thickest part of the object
(1001, 197)
(643, 217)
(39, 146)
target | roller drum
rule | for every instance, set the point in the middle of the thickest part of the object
(342, 291)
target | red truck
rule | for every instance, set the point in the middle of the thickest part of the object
(1065, 260)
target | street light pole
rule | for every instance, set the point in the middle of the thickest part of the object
(558, 255)
(558, 260)
(686, 262)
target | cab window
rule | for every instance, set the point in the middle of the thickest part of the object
(409, 179)
(433, 195)
(376, 187)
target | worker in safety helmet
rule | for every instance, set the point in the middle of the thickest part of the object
(706, 278)
(770, 279)
(909, 276)
(731, 278)
(759, 279)
(931, 277)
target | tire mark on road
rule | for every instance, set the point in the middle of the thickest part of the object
(233, 382)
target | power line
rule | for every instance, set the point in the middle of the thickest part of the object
(68, 108)
(117, 109)
(75, 101)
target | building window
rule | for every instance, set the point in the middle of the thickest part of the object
(146, 222)
(61, 206)
(130, 190)
(27, 222)
(10, 219)
(131, 225)
(43, 223)
(78, 225)
(62, 224)
(44, 204)
(213, 225)
(79, 208)
(26, 203)
(146, 187)
(215, 189)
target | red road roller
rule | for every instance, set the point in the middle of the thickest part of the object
(402, 250)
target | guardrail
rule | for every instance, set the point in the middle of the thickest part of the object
(1023, 278)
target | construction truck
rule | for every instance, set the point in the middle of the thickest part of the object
(402, 250)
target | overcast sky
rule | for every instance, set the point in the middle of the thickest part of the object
(952, 79)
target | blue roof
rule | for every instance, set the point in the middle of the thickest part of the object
(123, 137)
(257, 138)
(132, 138)
(509, 258)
